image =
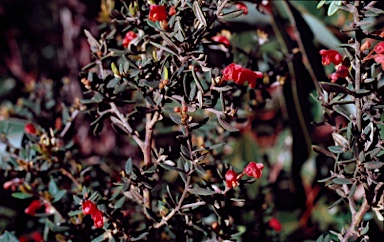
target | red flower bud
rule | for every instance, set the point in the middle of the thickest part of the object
(23, 238)
(254, 169)
(97, 217)
(222, 39)
(172, 11)
(231, 179)
(30, 129)
(275, 224)
(379, 47)
(33, 207)
(242, 6)
(128, 38)
(88, 207)
(157, 13)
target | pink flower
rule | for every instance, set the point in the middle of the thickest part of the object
(172, 11)
(128, 38)
(275, 224)
(254, 169)
(379, 48)
(157, 13)
(231, 179)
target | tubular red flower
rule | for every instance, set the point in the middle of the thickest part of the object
(30, 129)
(329, 56)
(222, 39)
(88, 207)
(157, 13)
(242, 6)
(254, 169)
(37, 237)
(97, 217)
(128, 38)
(275, 224)
(231, 179)
(379, 48)
(240, 75)
(33, 207)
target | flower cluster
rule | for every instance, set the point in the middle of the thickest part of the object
(240, 75)
(379, 56)
(89, 207)
(129, 36)
(253, 169)
(157, 13)
(332, 56)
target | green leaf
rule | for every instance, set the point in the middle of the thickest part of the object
(150, 214)
(333, 7)
(128, 166)
(77, 200)
(336, 149)
(21, 195)
(140, 237)
(352, 190)
(8, 237)
(333, 87)
(98, 97)
(52, 187)
(372, 165)
(199, 13)
(342, 181)
(119, 203)
(231, 15)
(334, 204)
(74, 213)
(112, 83)
(59, 195)
(225, 125)
(100, 238)
(168, 167)
(201, 191)
(175, 119)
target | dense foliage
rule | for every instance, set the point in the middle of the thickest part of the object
(200, 121)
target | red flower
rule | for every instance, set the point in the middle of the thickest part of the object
(254, 169)
(89, 207)
(231, 179)
(172, 11)
(128, 38)
(222, 39)
(242, 6)
(33, 207)
(23, 238)
(30, 129)
(157, 13)
(36, 237)
(379, 47)
(275, 224)
(239, 75)
(329, 56)
(97, 217)
(342, 72)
